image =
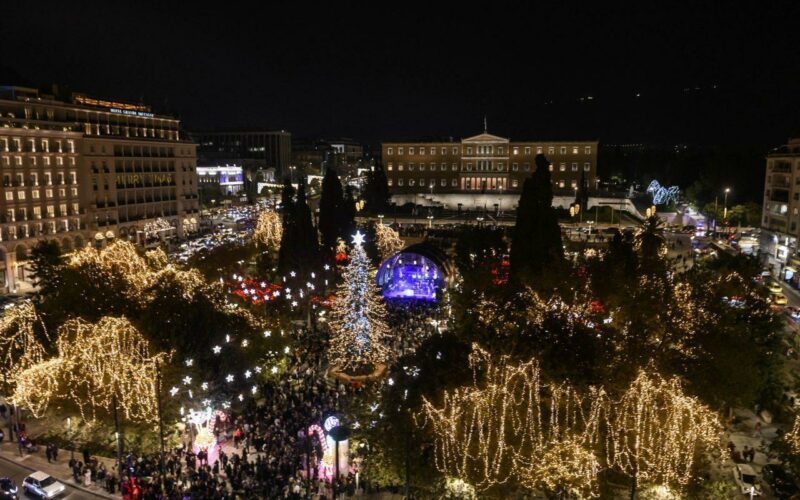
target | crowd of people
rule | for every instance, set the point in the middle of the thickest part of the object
(266, 443)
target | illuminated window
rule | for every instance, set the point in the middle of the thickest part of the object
(400, 167)
(551, 150)
(411, 151)
(516, 151)
(562, 167)
(421, 167)
(443, 182)
(400, 181)
(563, 150)
(587, 167)
(574, 150)
(538, 150)
(399, 151)
(9, 195)
(444, 151)
(411, 182)
(454, 183)
(389, 151)
(389, 181)
(514, 183)
(551, 167)
(561, 184)
(574, 167)
(410, 167)
(527, 150)
(389, 168)
(433, 150)
(574, 184)
(587, 150)
(454, 167)
(515, 167)
(455, 151)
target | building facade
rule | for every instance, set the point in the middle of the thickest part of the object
(484, 163)
(781, 214)
(254, 150)
(77, 169)
(226, 180)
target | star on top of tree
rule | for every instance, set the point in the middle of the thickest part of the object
(358, 238)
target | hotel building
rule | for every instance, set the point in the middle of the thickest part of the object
(781, 214)
(77, 169)
(484, 164)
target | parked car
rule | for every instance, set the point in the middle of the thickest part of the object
(774, 287)
(42, 485)
(746, 479)
(783, 484)
(8, 490)
(778, 299)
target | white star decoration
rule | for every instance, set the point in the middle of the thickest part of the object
(358, 238)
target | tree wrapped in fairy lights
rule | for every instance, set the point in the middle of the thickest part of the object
(21, 332)
(269, 230)
(358, 327)
(387, 240)
(510, 427)
(657, 432)
(99, 367)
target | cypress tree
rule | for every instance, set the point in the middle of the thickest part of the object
(376, 193)
(536, 244)
(305, 233)
(331, 204)
(287, 250)
(348, 221)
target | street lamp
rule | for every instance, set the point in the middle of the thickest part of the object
(725, 206)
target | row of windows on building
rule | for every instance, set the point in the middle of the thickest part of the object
(21, 195)
(19, 145)
(486, 166)
(33, 179)
(33, 161)
(422, 182)
(487, 150)
(21, 214)
(26, 231)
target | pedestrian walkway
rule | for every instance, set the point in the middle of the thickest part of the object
(58, 469)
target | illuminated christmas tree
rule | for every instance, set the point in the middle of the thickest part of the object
(359, 317)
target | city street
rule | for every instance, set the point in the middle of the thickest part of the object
(17, 472)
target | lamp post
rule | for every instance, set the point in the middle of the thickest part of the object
(725, 207)
(71, 439)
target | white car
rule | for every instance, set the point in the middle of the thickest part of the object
(746, 479)
(42, 485)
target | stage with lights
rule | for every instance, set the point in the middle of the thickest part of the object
(410, 276)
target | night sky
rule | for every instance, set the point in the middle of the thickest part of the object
(393, 70)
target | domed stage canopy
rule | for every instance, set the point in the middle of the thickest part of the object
(416, 273)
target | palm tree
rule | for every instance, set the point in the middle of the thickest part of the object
(649, 240)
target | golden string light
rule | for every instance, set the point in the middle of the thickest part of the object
(96, 364)
(19, 346)
(387, 240)
(269, 230)
(501, 428)
(510, 427)
(656, 432)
